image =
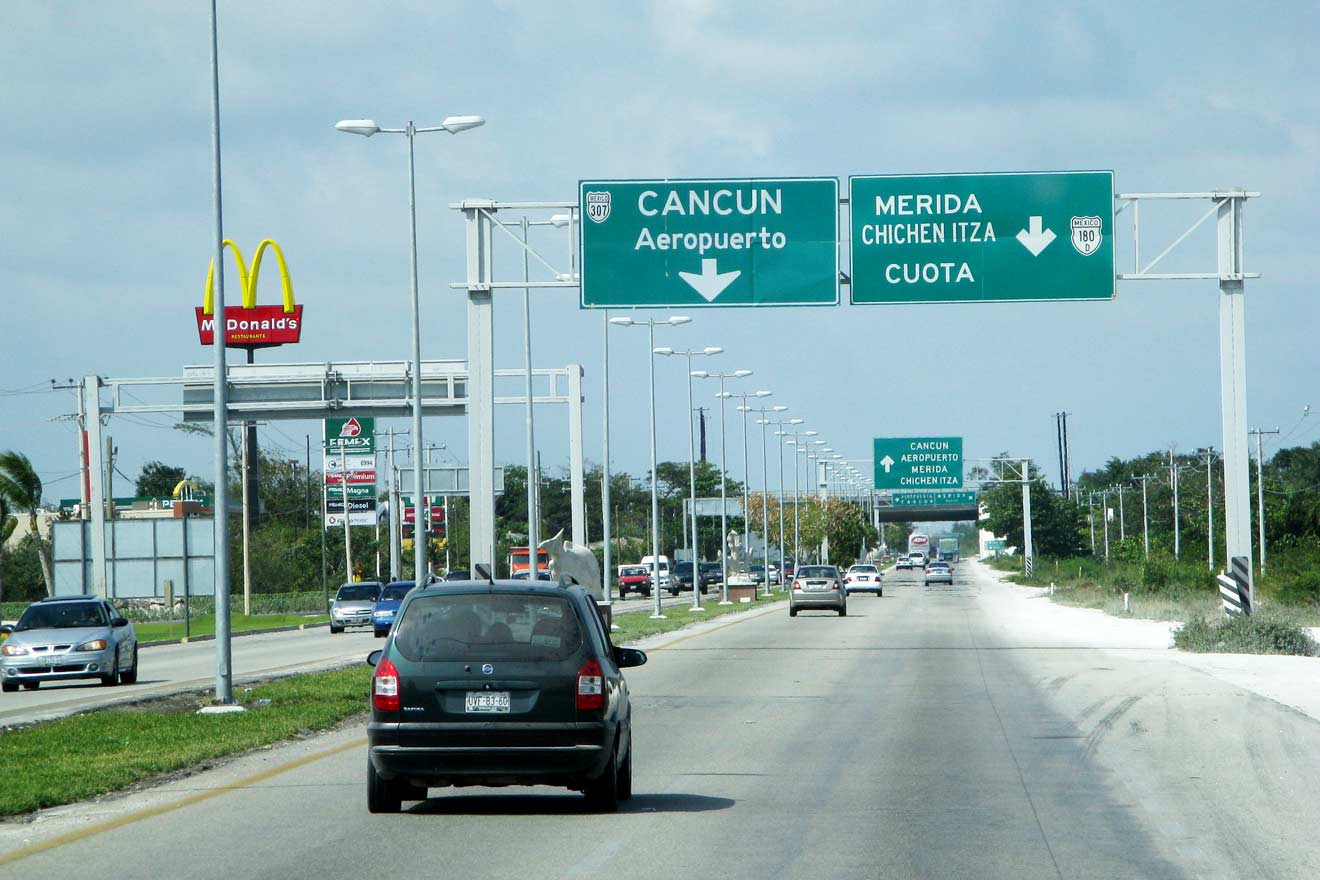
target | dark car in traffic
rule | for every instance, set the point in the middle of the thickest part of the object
(495, 684)
(682, 577)
(387, 606)
(712, 575)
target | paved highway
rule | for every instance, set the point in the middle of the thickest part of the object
(168, 669)
(938, 732)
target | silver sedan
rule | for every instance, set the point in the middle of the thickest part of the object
(68, 637)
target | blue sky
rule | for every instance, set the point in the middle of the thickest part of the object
(106, 214)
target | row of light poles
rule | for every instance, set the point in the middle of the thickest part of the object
(457, 124)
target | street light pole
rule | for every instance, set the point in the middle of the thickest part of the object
(708, 351)
(657, 612)
(533, 525)
(224, 675)
(764, 421)
(783, 434)
(367, 128)
(605, 464)
(724, 503)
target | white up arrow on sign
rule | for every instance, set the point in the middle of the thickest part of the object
(886, 463)
(1037, 239)
(711, 282)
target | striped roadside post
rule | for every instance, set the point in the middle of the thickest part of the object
(1235, 587)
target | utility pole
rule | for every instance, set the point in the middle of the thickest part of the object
(1145, 519)
(396, 514)
(307, 489)
(1067, 456)
(1260, 493)
(1063, 477)
(110, 510)
(247, 523)
(1173, 481)
(1122, 521)
(701, 423)
(1090, 517)
(1209, 455)
(1104, 515)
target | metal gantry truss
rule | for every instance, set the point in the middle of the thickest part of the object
(482, 217)
(274, 392)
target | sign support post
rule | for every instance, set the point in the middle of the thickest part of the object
(481, 387)
(1233, 388)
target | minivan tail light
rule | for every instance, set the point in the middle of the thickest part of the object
(836, 585)
(797, 585)
(385, 687)
(590, 686)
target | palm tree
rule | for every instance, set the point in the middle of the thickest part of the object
(21, 487)
(6, 529)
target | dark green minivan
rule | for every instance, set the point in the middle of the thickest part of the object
(499, 683)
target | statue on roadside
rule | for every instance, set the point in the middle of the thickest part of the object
(736, 559)
(574, 564)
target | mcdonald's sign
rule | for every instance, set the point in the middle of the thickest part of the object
(250, 325)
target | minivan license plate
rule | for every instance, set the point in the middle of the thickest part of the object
(487, 701)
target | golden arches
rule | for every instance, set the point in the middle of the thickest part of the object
(247, 281)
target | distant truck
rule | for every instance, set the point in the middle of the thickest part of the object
(948, 549)
(919, 545)
(519, 561)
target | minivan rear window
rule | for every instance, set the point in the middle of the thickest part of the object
(504, 626)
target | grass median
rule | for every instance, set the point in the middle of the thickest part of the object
(635, 625)
(204, 625)
(75, 758)
(83, 756)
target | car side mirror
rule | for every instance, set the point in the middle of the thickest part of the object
(374, 657)
(119, 621)
(6, 630)
(629, 657)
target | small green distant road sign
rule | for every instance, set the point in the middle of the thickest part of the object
(694, 243)
(918, 463)
(934, 499)
(982, 237)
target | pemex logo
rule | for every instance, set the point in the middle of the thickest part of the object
(351, 428)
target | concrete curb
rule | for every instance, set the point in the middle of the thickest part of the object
(246, 632)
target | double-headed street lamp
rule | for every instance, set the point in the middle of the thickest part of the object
(764, 412)
(367, 128)
(533, 485)
(745, 396)
(650, 325)
(689, 353)
(724, 504)
(795, 440)
(780, 433)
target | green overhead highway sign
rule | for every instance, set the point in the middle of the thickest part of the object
(982, 237)
(693, 243)
(918, 463)
(934, 499)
